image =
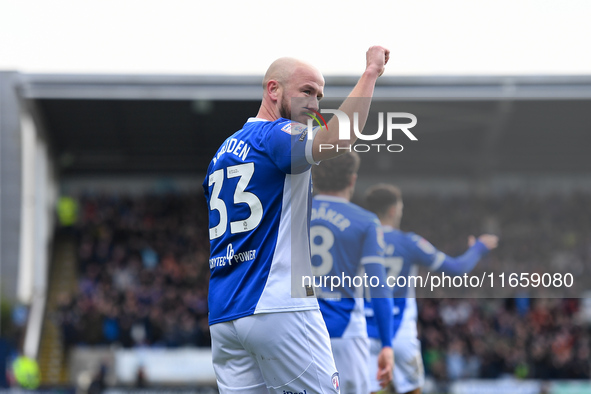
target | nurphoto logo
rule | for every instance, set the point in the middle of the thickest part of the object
(345, 126)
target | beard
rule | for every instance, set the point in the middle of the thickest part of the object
(284, 109)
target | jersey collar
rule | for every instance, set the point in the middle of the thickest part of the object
(324, 197)
(257, 120)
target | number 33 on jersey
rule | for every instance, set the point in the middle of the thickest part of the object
(256, 183)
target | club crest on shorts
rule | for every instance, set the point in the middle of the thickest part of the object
(335, 382)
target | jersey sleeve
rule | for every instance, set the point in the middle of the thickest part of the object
(289, 146)
(372, 259)
(424, 253)
(373, 262)
(464, 263)
(381, 302)
(373, 245)
(427, 255)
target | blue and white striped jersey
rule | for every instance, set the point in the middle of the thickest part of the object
(403, 254)
(259, 180)
(346, 242)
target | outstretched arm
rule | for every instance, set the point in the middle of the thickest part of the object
(466, 262)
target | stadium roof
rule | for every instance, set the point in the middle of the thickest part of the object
(466, 125)
(214, 87)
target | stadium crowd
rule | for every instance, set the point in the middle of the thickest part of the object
(143, 266)
(143, 273)
(488, 338)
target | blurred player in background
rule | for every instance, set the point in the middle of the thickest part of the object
(346, 240)
(404, 252)
(263, 339)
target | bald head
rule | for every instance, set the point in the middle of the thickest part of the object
(286, 79)
(284, 68)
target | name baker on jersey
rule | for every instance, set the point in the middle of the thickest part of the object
(331, 216)
(237, 147)
(232, 257)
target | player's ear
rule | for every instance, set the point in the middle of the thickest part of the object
(353, 180)
(392, 211)
(273, 89)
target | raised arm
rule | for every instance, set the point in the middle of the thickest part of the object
(358, 101)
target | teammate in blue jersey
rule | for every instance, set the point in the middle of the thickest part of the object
(265, 339)
(404, 253)
(347, 246)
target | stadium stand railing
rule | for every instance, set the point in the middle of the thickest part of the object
(62, 278)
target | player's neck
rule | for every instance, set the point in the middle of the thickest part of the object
(341, 193)
(392, 222)
(265, 112)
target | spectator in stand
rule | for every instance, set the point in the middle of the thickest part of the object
(119, 234)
